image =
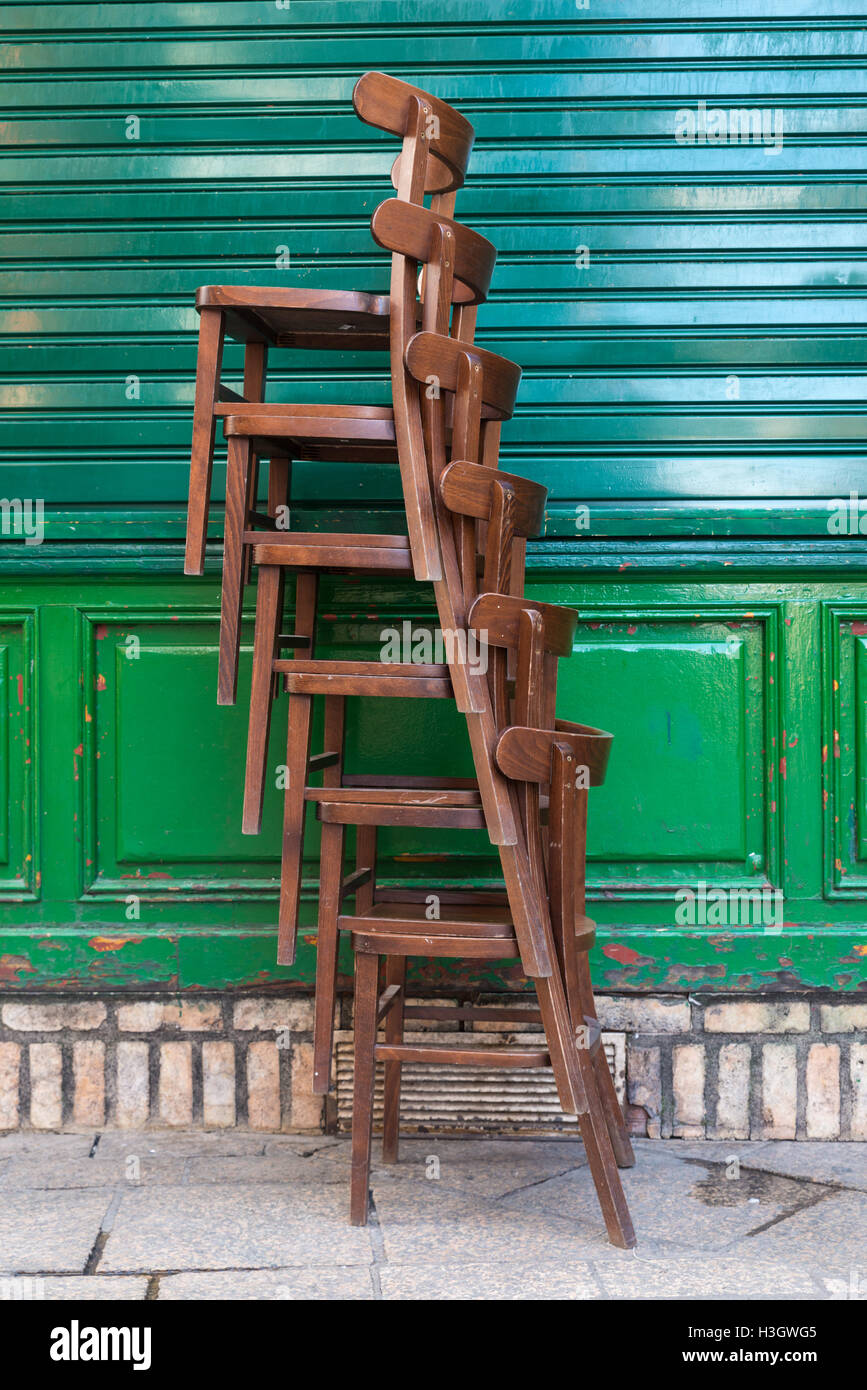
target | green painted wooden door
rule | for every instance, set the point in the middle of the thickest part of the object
(678, 199)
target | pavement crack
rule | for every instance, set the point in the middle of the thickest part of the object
(93, 1259)
(837, 1185)
(540, 1181)
(94, 1146)
(377, 1246)
(793, 1210)
(152, 1292)
(95, 1255)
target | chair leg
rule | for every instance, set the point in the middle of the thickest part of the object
(395, 974)
(237, 469)
(268, 612)
(255, 370)
(294, 805)
(600, 1156)
(297, 759)
(327, 949)
(620, 1141)
(250, 506)
(560, 1040)
(333, 737)
(365, 858)
(617, 1131)
(211, 330)
(366, 1004)
(279, 474)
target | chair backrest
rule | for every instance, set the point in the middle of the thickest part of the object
(489, 382)
(540, 750)
(537, 634)
(411, 230)
(495, 513)
(569, 759)
(527, 755)
(480, 388)
(437, 142)
(437, 139)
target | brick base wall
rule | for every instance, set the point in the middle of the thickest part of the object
(714, 1067)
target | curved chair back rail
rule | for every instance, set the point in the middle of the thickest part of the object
(526, 755)
(389, 104)
(435, 355)
(499, 616)
(469, 489)
(408, 228)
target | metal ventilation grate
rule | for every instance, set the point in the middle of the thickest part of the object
(474, 1098)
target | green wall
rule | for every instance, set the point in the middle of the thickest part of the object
(690, 317)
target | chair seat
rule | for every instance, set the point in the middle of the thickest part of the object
(314, 433)
(398, 680)
(481, 927)
(396, 796)
(326, 551)
(442, 807)
(287, 316)
(321, 433)
(403, 928)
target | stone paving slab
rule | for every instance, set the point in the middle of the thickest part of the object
(711, 1150)
(284, 1166)
(351, 1283)
(843, 1163)
(637, 1276)
(849, 1286)
(181, 1143)
(47, 1145)
(79, 1288)
(36, 1172)
(234, 1227)
(493, 1280)
(451, 1166)
(676, 1205)
(46, 1231)
(423, 1225)
(833, 1232)
(838, 1162)
(265, 1217)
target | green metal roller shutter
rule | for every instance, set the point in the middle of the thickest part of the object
(690, 317)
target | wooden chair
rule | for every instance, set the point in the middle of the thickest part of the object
(436, 144)
(471, 377)
(507, 509)
(306, 677)
(325, 433)
(456, 807)
(397, 925)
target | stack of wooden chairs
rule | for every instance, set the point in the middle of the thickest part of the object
(467, 523)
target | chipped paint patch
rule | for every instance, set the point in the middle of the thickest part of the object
(11, 967)
(625, 955)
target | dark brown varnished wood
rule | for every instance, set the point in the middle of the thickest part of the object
(423, 817)
(436, 355)
(211, 334)
(525, 754)
(435, 139)
(498, 616)
(386, 102)
(470, 489)
(409, 229)
(299, 552)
